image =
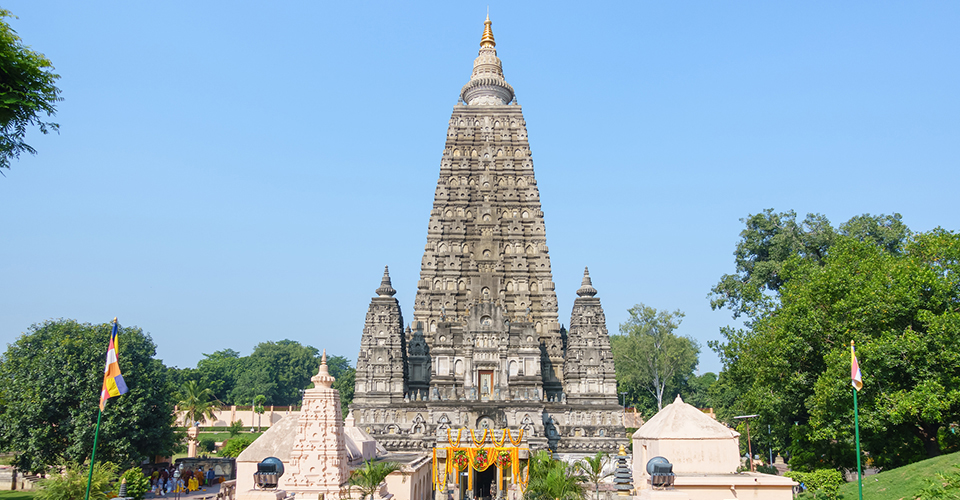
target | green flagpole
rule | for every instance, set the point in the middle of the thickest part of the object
(96, 434)
(856, 426)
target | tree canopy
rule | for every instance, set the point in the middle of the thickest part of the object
(275, 370)
(770, 239)
(197, 403)
(27, 92)
(649, 358)
(53, 375)
(896, 295)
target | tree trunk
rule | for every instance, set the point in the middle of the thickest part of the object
(928, 434)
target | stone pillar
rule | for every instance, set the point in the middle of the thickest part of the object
(192, 441)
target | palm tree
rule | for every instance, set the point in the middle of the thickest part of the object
(197, 403)
(552, 479)
(369, 477)
(592, 469)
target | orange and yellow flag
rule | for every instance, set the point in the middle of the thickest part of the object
(855, 378)
(113, 384)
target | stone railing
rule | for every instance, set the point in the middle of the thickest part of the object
(228, 490)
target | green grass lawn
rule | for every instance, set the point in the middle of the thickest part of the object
(901, 483)
(16, 495)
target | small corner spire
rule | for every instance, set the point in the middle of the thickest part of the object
(386, 288)
(323, 377)
(586, 286)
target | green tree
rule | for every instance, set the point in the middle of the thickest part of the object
(552, 479)
(220, 371)
(27, 92)
(648, 355)
(370, 476)
(770, 239)
(72, 483)
(696, 390)
(52, 379)
(235, 428)
(591, 468)
(258, 408)
(197, 403)
(278, 370)
(792, 367)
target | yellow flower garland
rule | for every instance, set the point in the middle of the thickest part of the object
(450, 440)
(519, 438)
(503, 438)
(474, 437)
(524, 481)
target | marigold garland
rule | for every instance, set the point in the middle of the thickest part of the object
(450, 440)
(474, 437)
(519, 438)
(524, 481)
(503, 437)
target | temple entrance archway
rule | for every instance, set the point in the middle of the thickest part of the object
(483, 483)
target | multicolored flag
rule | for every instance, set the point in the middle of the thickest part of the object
(855, 378)
(113, 384)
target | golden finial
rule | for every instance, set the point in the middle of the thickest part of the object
(487, 40)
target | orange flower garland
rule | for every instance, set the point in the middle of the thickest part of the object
(450, 440)
(519, 438)
(474, 437)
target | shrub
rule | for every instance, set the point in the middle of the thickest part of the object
(137, 484)
(235, 446)
(767, 469)
(235, 428)
(72, 484)
(207, 444)
(824, 482)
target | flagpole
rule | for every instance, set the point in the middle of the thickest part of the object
(856, 382)
(856, 426)
(96, 434)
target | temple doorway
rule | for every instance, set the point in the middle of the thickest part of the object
(483, 483)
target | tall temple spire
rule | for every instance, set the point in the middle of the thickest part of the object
(487, 85)
(485, 348)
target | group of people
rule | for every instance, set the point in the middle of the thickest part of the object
(173, 479)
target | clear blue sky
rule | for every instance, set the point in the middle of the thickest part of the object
(229, 173)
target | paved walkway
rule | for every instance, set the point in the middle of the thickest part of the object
(203, 492)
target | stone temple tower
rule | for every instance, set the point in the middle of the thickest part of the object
(588, 369)
(485, 348)
(486, 263)
(382, 364)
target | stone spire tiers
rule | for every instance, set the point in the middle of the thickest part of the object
(486, 85)
(484, 350)
(382, 363)
(588, 366)
(318, 460)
